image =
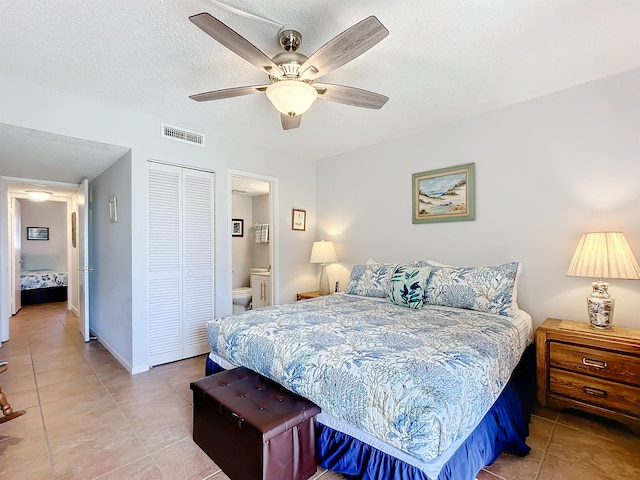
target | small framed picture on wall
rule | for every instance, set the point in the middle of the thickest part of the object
(37, 233)
(237, 227)
(73, 229)
(299, 220)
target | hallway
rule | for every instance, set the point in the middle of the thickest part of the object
(86, 416)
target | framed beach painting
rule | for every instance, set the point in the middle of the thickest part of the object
(444, 195)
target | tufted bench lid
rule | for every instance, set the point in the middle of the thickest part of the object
(257, 401)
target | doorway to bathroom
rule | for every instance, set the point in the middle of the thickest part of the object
(253, 237)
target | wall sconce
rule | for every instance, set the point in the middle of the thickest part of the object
(323, 253)
(113, 209)
(603, 255)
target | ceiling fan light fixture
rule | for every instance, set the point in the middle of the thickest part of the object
(38, 195)
(291, 97)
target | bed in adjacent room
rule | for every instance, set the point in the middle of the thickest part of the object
(420, 370)
(41, 281)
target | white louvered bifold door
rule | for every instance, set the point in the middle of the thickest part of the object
(197, 261)
(165, 264)
(180, 262)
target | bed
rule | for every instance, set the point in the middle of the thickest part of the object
(41, 281)
(422, 371)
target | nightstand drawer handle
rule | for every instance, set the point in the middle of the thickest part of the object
(594, 391)
(594, 363)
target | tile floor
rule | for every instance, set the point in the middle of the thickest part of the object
(87, 418)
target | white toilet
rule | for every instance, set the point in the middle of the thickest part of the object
(241, 299)
(242, 295)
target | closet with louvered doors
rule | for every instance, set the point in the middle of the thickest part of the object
(181, 273)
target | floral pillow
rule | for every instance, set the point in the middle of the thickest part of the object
(407, 286)
(485, 289)
(371, 280)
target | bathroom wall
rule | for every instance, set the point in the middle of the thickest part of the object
(241, 247)
(261, 215)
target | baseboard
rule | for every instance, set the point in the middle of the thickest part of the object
(121, 360)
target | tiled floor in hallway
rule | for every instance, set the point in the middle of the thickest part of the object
(87, 418)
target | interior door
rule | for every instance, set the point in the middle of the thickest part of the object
(165, 264)
(198, 293)
(82, 230)
(16, 261)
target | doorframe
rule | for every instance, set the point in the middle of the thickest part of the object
(274, 237)
(6, 243)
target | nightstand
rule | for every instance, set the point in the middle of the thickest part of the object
(594, 371)
(306, 295)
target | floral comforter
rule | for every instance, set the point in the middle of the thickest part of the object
(417, 379)
(42, 279)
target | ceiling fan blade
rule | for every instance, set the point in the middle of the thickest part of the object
(350, 95)
(235, 42)
(228, 93)
(289, 122)
(350, 44)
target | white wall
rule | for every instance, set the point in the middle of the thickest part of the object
(242, 208)
(29, 105)
(547, 170)
(110, 312)
(49, 214)
(260, 251)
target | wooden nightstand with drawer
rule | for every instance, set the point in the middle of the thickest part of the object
(307, 295)
(590, 370)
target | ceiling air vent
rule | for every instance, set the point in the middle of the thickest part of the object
(182, 135)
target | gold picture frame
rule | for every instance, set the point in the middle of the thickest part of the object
(298, 220)
(73, 229)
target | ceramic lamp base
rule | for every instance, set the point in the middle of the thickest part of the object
(600, 307)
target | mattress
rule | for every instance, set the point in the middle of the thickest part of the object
(32, 279)
(412, 383)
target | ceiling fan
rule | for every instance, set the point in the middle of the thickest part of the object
(292, 88)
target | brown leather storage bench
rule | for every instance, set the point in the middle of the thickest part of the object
(253, 428)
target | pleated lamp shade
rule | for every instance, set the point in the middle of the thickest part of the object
(604, 255)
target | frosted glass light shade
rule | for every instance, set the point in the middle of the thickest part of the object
(38, 195)
(291, 97)
(603, 255)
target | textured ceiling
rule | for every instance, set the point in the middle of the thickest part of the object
(443, 60)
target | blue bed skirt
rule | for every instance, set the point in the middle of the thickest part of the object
(504, 427)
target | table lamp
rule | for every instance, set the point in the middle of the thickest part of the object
(323, 253)
(603, 255)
